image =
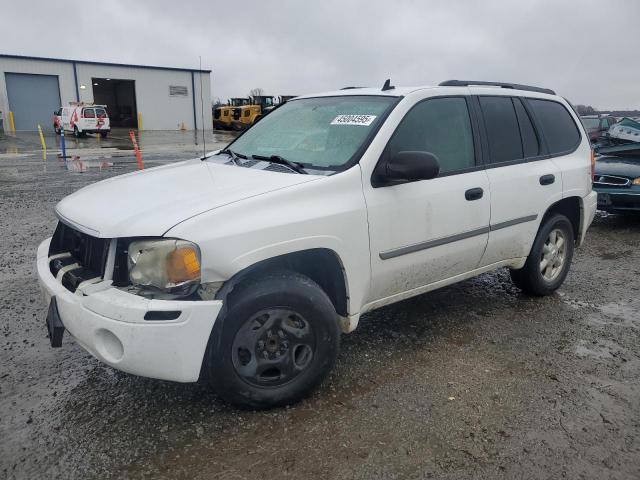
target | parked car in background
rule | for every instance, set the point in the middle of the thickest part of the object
(617, 182)
(82, 119)
(597, 125)
(241, 268)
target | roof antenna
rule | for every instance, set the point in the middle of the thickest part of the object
(204, 141)
(387, 85)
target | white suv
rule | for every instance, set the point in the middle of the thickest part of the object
(242, 267)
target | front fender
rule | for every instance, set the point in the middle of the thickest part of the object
(329, 213)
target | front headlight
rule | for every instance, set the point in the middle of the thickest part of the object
(164, 266)
(636, 181)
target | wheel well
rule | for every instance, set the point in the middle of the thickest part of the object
(570, 208)
(321, 265)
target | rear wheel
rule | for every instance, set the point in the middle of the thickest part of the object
(275, 340)
(548, 263)
(104, 134)
(76, 132)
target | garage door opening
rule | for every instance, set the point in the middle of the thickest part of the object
(120, 98)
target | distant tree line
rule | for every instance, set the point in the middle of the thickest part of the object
(589, 110)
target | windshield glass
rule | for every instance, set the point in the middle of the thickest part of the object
(322, 132)
(591, 122)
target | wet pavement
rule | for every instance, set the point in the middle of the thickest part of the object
(471, 381)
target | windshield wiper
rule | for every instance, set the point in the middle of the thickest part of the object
(234, 155)
(295, 166)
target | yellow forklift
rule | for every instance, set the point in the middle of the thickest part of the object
(246, 115)
(223, 115)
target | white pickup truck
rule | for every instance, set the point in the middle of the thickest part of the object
(242, 268)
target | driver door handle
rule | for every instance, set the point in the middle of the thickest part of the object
(474, 194)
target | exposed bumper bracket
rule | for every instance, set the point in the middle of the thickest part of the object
(55, 327)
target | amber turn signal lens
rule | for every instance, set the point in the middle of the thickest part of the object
(183, 265)
(593, 164)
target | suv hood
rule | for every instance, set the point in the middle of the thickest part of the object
(153, 201)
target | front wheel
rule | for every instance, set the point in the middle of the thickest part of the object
(548, 263)
(276, 339)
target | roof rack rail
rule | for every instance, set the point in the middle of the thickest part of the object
(350, 88)
(515, 86)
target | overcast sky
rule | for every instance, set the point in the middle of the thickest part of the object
(586, 50)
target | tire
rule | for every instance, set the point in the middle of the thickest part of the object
(76, 132)
(56, 130)
(538, 279)
(275, 340)
(104, 134)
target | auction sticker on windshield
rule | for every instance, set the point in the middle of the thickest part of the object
(353, 120)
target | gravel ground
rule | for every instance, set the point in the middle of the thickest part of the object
(471, 381)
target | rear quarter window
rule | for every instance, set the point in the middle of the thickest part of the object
(557, 125)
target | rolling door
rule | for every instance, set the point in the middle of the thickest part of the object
(33, 99)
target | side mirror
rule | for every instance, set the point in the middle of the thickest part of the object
(411, 166)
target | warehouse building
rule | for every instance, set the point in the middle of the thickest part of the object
(151, 98)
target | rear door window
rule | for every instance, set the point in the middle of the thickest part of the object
(101, 112)
(530, 144)
(558, 128)
(89, 113)
(440, 126)
(501, 125)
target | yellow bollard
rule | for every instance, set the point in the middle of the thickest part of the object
(12, 123)
(140, 121)
(44, 145)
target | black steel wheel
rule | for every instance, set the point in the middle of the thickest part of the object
(275, 340)
(273, 347)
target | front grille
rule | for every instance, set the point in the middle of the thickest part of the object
(611, 181)
(84, 256)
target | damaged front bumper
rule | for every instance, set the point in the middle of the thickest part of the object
(163, 339)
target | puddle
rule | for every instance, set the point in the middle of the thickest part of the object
(617, 314)
(583, 349)
(77, 165)
(604, 350)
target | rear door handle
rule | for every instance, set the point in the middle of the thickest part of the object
(474, 194)
(547, 179)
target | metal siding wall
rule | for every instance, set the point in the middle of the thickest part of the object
(206, 100)
(159, 110)
(63, 70)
